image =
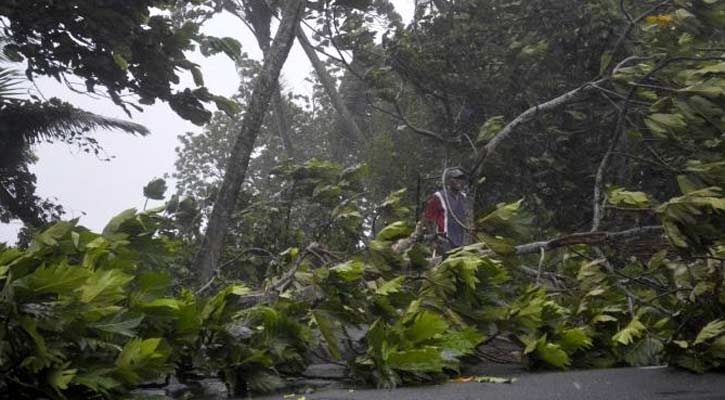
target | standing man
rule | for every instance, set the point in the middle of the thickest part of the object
(446, 210)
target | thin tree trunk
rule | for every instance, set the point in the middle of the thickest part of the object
(279, 109)
(281, 122)
(207, 260)
(330, 88)
(259, 16)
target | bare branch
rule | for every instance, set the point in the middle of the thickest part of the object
(648, 161)
(587, 238)
(633, 23)
(527, 116)
(421, 131)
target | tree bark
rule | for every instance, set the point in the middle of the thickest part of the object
(207, 260)
(330, 87)
(259, 16)
(588, 238)
(281, 122)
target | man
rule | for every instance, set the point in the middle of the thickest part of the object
(446, 210)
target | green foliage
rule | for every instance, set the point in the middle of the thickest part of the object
(29, 122)
(141, 358)
(711, 330)
(72, 320)
(695, 220)
(396, 230)
(421, 345)
(490, 128)
(155, 189)
(323, 257)
(628, 334)
(510, 220)
(142, 54)
(624, 198)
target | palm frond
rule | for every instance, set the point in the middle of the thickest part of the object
(4, 41)
(84, 121)
(10, 84)
(10, 79)
(55, 120)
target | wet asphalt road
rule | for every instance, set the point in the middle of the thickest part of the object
(606, 384)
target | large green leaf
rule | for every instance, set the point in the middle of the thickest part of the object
(426, 326)
(552, 354)
(717, 348)
(56, 231)
(628, 334)
(461, 343)
(214, 308)
(623, 198)
(105, 286)
(394, 231)
(98, 380)
(327, 326)
(645, 352)
(59, 378)
(507, 220)
(142, 359)
(391, 286)
(60, 279)
(712, 330)
(350, 271)
(115, 224)
(43, 356)
(490, 128)
(119, 325)
(575, 339)
(162, 304)
(427, 359)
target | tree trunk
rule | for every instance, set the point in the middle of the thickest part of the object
(207, 260)
(259, 16)
(281, 122)
(330, 87)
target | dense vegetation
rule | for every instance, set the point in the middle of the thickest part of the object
(592, 134)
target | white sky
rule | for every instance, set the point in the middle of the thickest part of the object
(96, 190)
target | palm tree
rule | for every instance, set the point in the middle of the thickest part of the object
(26, 122)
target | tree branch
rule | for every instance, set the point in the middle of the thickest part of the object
(598, 202)
(527, 116)
(421, 131)
(586, 238)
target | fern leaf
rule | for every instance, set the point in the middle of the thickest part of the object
(712, 330)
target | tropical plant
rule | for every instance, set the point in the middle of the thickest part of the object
(81, 311)
(28, 122)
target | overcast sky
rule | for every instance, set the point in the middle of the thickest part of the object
(96, 190)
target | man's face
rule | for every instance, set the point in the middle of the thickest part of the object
(456, 184)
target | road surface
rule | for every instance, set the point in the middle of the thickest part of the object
(605, 384)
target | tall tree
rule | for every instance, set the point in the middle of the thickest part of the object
(24, 123)
(208, 258)
(330, 86)
(258, 15)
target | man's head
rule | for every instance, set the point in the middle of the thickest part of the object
(455, 179)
